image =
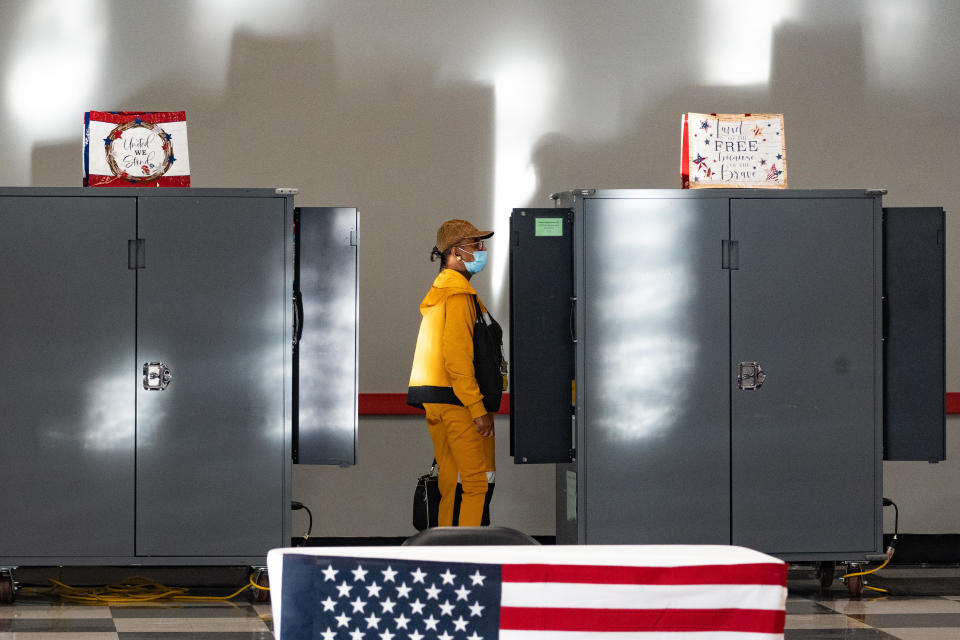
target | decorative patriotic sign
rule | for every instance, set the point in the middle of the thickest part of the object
(731, 150)
(332, 597)
(135, 149)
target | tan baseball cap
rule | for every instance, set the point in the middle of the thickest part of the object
(452, 232)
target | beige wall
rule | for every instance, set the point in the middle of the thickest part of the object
(420, 111)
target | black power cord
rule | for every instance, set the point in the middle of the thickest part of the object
(296, 506)
(887, 502)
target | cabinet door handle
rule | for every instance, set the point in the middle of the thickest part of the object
(156, 376)
(298, 317)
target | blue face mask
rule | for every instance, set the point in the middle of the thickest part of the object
(479, 261)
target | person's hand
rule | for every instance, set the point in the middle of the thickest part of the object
(484, 425)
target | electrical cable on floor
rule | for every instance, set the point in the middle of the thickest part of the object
(138, 590)
(891, 549)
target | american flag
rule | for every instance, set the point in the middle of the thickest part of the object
(350, 598)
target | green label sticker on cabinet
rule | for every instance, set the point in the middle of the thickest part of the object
(549, 227)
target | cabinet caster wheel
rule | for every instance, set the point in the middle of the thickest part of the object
(261, 578)
(7, 592)
(855, 586)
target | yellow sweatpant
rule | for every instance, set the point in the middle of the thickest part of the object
(460, 451)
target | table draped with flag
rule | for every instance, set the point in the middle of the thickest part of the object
(526, 593)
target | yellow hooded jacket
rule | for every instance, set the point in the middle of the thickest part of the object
(443, 361)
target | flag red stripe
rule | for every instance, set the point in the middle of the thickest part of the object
(627, 620)
(761, 573)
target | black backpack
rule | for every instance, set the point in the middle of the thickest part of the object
(489, 366)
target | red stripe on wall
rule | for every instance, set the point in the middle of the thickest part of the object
(953, 403)
(642, 620)
(763, 573)
(395, 404)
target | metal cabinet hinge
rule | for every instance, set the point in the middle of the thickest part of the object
(286, 191)
(875, 192)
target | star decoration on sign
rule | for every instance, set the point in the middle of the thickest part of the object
(477, 579)
(388, 574)
(329, 573)
(447, 577)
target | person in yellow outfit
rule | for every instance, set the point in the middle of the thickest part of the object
(443, 382)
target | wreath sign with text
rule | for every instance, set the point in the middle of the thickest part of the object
(139, 151)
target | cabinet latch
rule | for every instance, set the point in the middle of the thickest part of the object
(751, 376)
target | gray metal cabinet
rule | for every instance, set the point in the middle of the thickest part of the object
(96, 283)
(680, 297)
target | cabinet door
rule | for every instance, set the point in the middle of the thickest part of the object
(541, 335)
(66, 363)
(654, 437)
(211, 306)
(914, 272)
(326, 419)
(805, 305)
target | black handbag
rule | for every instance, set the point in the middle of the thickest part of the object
(426, 500)
(489, 366)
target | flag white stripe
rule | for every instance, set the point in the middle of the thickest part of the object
(636, 635)
(642, 596)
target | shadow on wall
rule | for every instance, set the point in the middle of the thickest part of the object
(400, 146)
(840, 134)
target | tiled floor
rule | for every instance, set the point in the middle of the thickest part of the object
(833, 614)
(810, 614)
(43, 619)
